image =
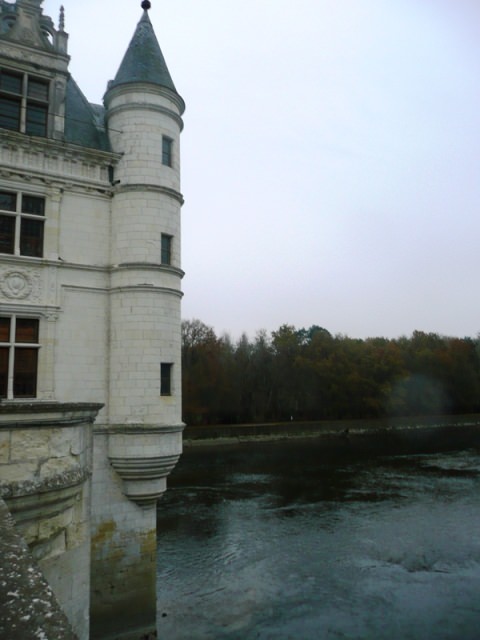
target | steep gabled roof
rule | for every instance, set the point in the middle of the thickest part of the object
(143, 60)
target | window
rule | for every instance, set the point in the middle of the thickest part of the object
(167, 147)
(22, 218)
(166, 249)
(23, 103)
(166, 378)
(18, 357)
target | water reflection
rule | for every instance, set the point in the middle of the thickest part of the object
(283, 541)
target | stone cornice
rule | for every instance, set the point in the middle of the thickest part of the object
(58, 482)
(51, 147)
(142, 106)
(19, 413)
(24, 56)
(145, 88)
(125, 188)
(29, 158)
(28, 262)
(136, 429)
(150, 266)
(135, 288)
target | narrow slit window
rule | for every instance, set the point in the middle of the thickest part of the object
(167, 148)
(166, 378)
(166, 249)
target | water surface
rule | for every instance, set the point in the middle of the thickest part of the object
(282, 540)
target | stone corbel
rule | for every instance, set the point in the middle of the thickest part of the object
(143, 457)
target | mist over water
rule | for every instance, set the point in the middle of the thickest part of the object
(281, 540)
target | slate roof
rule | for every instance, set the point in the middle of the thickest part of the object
(84, 122)
(143, 60)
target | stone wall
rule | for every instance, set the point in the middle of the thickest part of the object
(45, 478)
(28, 607)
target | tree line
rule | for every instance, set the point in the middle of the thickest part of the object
(310, 374)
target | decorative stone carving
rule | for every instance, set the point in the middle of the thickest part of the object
(16, 284)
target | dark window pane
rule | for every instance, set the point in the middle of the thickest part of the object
(8, 201)
(11, 82)
(4, 329)
(25, 373)
(26, 330)
(165, 379)
(10, 113)
(36, 124)
(33, 205)
(7, 234)
(38, 90)
(31, 238)
(3, 371)
(167, 151)
(166, 249)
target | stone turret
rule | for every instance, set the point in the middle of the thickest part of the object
(90, 274)
(144, 122)
(142, 435)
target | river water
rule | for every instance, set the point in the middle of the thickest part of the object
(284, 540)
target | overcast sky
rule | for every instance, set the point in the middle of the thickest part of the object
(330, 157)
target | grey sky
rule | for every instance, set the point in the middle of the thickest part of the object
(330, 158)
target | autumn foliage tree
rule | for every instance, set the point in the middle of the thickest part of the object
(310, 374)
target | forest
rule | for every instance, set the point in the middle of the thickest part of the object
(310, 374)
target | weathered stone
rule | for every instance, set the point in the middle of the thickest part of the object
(52, 526)
(4, 448)
(16, 473)
(57, 467)
(29, 444)
(28, 607)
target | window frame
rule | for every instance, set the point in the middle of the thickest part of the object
(29, 108)
(22, 238)
(167, 151)
(166, 379)
(12, 346)
(166, 249)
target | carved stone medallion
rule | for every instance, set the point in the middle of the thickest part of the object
(18, 285)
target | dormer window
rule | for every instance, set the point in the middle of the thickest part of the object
(23, 103)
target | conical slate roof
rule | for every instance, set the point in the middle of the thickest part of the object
(143, 61)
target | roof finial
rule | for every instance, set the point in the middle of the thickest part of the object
(146, 4)
(61, 20)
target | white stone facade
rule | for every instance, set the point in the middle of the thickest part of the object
(107, 303)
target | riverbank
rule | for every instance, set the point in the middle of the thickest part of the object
(425, 431)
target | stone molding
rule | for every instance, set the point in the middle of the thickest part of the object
(138, 429)
(50, 161)
(143, 456)
(134, 288)
(14, 414)
(146, 88)
(141, 106)
(145, 187)
(144, 478)
(152, 266)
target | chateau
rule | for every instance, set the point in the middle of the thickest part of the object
(90, 275)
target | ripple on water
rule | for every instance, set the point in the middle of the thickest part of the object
(384, 549)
